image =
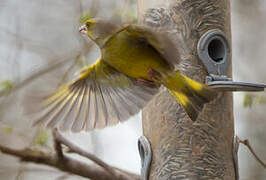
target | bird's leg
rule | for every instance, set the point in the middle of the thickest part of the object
(149, 83)
(146, 82)
(154, 75)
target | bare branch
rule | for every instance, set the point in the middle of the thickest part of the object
(57, 146)
(74, 148)
(246, 143)
(69, 165)
(66, 164)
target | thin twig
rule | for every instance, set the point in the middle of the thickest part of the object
(19, 85)
(74, 148)
(57, 146)
(29, 44)
(246, 143)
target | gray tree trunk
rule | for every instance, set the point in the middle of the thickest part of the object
(183, 149)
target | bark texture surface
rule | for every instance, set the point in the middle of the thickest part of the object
(183, 149)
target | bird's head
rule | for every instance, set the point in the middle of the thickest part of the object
(98, 30)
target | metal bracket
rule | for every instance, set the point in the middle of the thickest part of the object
(223, 83)
(214, 52)
(145, 155)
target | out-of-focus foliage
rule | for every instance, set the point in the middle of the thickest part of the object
(250, 99)
(7, 129)
(42, 138)
(85, 17)
(247, 100)
(5, 86)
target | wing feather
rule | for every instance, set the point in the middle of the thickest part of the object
(103, 114)
(89, 107)
(82, 111)
(93, 109)
(113, 111)
(52, 107)
(63, 112)
(73, 111)
(100, 97)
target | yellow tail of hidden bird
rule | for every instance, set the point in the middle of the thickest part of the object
(135, 62)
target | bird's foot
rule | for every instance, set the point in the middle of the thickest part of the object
(154, 75)
(146, 82)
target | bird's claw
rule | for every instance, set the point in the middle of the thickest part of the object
(154, 75)
(146, 82)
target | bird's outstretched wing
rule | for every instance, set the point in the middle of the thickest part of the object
(159, 40)
(100, 97)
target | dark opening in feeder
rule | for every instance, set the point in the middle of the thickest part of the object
(216, 50)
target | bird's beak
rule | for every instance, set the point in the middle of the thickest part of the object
(83, 29)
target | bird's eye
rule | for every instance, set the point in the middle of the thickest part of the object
(88, 24)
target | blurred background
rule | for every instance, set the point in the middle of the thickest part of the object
(41, 49)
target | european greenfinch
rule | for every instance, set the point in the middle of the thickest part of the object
(135, 62)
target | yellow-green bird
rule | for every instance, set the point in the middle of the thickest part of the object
(135, 62)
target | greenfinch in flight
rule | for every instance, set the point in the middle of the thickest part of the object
(135, 61)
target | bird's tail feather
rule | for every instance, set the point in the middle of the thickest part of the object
(192, 95)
